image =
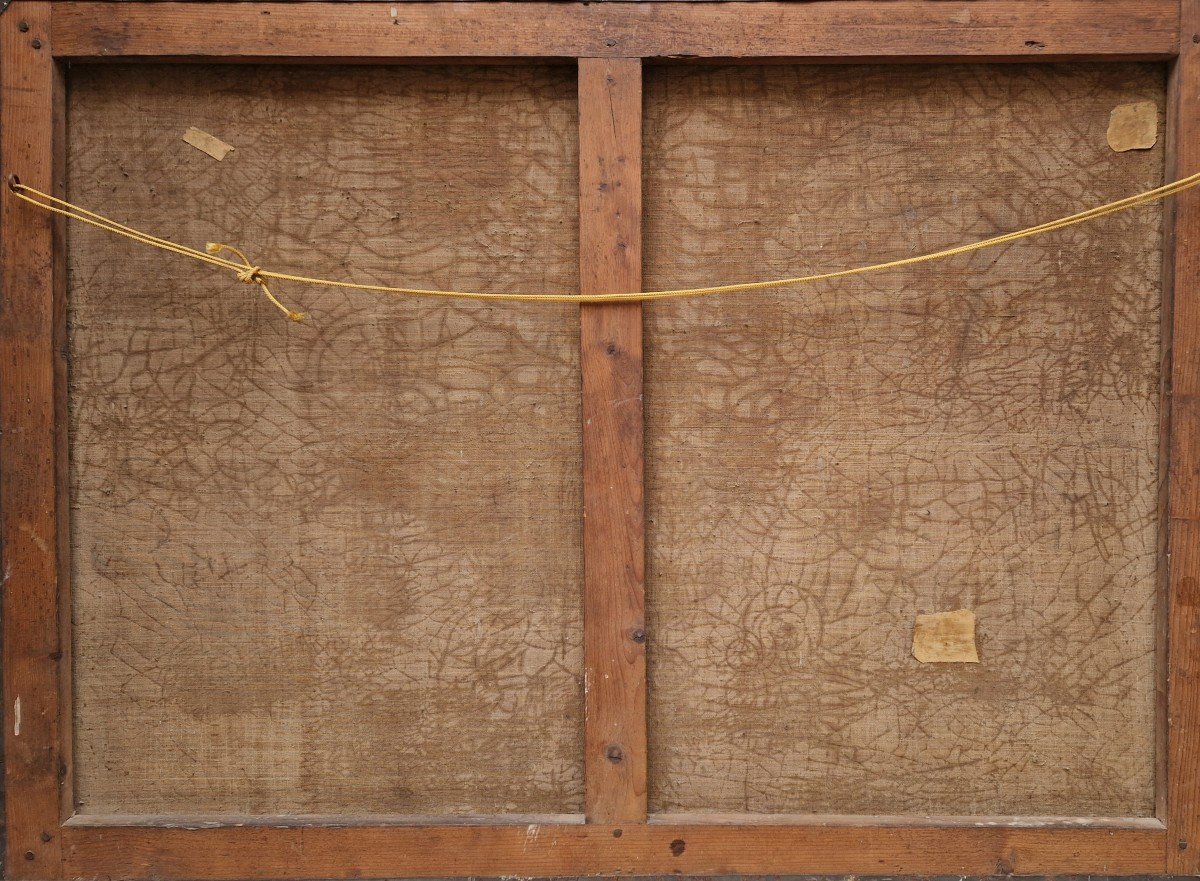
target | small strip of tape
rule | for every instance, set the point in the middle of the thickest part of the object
(210, 144)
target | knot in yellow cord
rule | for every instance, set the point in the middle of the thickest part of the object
(251, 275)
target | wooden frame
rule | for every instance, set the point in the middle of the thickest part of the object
(43, 837)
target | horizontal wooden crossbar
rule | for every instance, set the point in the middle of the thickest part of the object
(253, 852)
(843, 30)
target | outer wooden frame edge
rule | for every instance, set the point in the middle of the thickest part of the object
(1182, 254)
(237, 853)
(31, 272)
(32, 286)
(979, 30)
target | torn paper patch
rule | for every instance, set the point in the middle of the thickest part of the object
(1133, 126)
(945, 638)
(213, 146)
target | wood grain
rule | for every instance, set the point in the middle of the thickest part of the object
(1183, 586)
(31, 367)
(331, 567)
(610, 200)
(825, 463)
(848, 29)
(233, 854)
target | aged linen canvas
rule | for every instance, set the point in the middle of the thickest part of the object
(330, 567)
(826, 463)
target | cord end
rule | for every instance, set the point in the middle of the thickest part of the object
(14, 183)
(297, 316)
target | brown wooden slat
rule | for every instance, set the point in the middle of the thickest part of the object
(838, 29)
(66, 652)
(423, 851)
(610, 204)
(1183, 702)
(1165, 440)
(1183, 594)
(31, 280)
(902, 821)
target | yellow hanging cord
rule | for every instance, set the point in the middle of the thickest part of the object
(249, 273)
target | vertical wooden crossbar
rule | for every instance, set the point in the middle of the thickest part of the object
(1183, 596)
(31, 371)
(610, 205)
